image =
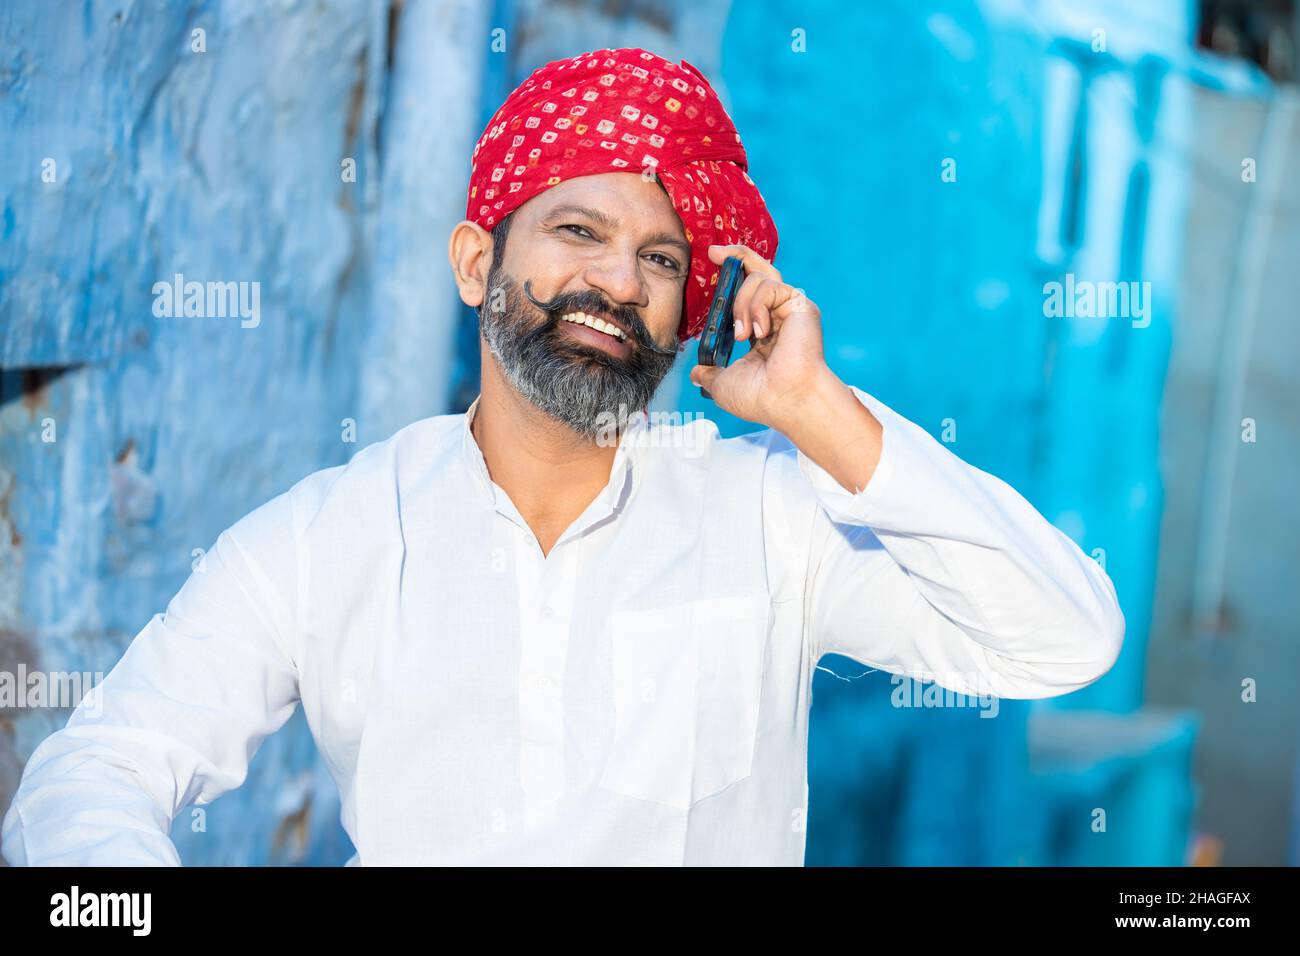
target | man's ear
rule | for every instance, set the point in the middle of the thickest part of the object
(470, 252)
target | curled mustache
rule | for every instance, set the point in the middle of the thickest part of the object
(591, 301)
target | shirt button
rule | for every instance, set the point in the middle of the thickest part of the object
(548, 612)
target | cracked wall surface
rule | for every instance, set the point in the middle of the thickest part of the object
(136, 149)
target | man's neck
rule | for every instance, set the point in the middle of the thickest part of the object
(550, 472)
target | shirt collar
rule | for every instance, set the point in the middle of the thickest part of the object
(621, 472)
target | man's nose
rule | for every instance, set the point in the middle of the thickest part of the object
(619, 277)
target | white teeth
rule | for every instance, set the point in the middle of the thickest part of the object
(591, 322)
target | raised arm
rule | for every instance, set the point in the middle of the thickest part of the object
(919, 563)
(178, 718)
(942, 572)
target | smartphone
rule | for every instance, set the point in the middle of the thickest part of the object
(719, 336)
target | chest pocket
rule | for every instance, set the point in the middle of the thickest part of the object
(687, 682)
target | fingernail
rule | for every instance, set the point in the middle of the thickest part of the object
(739, 327)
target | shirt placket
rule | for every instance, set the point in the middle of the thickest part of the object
(547, 588)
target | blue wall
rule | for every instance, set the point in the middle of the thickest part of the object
(222, 165)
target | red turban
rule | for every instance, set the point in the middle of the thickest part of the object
(626, 111)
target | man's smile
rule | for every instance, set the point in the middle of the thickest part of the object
(599, 332)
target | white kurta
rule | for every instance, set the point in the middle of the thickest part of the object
(638, 696)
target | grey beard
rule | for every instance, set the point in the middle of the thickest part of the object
(583, 388)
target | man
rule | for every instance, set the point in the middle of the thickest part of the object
(550, 631)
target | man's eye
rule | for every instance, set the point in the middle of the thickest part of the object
(667, 262)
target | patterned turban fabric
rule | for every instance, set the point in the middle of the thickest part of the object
(627, 110)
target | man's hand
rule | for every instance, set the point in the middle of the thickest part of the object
(785, 361)
(783, 381)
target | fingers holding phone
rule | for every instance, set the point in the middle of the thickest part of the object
(752, 302)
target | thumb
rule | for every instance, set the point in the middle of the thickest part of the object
(703, 375)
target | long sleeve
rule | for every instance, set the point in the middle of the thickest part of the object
(177, 720)
(942, 572)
